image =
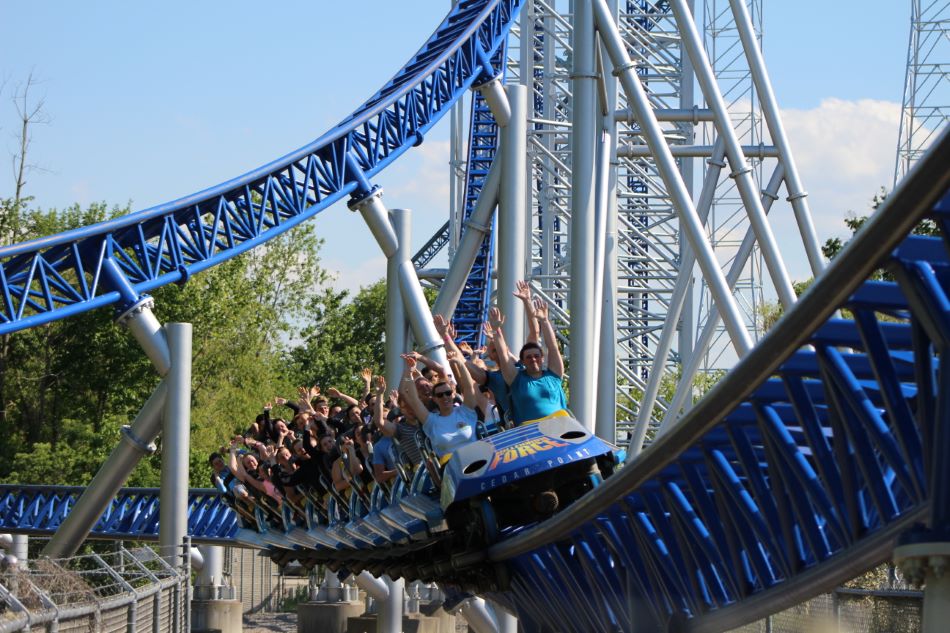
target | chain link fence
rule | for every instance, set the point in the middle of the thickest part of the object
(880, 601)
(126, 590)
(260, 584)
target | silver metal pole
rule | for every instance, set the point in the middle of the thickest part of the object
(512, 214)
(212, 568)
(476, 614)
(375, 588)
(506, 621)
(583, 138)
(476, 228)
(606, 420)
(689, 221)
(741, 171)
(376, 216)
(396, 327)
(681, 291)
(687, 168)
(145, 328)
(684, 388)
(793, 183)
(135, 442)
(389, 618)
(176, 442)
(494, 93)
(21, 549)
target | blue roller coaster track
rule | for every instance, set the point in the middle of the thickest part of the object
(796, 472)
(114, 262)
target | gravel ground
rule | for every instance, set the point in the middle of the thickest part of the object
(270, 623)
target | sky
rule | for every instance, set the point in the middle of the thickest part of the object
(151, 101)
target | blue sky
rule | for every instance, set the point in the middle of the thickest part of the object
(152, 101)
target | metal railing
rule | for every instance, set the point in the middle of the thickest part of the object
(126, 590)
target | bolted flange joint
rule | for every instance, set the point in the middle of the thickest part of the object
(146, 448)
(921, 553)
(140, 306)
(358, 201)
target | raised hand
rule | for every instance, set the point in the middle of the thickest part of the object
(379, 386)
(394, 396)
(280, 401)
(267, 406)
(523, 291)
(488, 330)
(450, 331)
(440, 324)
(366, 374)
(314, 391)
(495, 317)
(410, 361)
(333, 392)
(465, 348)
(540, 309)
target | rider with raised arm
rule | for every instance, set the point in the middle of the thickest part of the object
(450, 425)
(536, 391)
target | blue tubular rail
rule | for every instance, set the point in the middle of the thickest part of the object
(796, 473)
(55, 277)
(132, 515)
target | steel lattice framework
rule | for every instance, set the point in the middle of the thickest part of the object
(926, 106)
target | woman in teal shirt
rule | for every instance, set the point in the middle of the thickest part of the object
(536, 392)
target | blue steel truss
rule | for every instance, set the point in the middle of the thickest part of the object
(431, 248)
(797, 472)
(116, 261)
(472, 308)
(132, 515)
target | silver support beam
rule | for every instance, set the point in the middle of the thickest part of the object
(683, 389)
(375, 588)
(684, 114)
(476, 228)
(689, 221)
(211, 573)
(681, 295)
(582, 351)
(763, 86)
(494, 93)
(389, 618)
(741, 171)
(606, 416)
(476, 614)
(135, 442)
(396, 327)
(760, 151)
(176, 443)
(512, 214)
(141, 323)
(376, 216)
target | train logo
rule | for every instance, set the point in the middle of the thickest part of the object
(523, 449)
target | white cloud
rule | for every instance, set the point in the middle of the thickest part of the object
(351, 275)
(845, 153)
(420, 179)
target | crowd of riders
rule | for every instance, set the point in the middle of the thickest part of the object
(329, 443)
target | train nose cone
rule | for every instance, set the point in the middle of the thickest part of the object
(546, 502)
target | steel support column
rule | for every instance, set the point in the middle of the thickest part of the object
(689, 221)
(396, 327)
(476, 228)
(176, 444)
(582, 352)
(371, 207)
(135, 442)
(770, 111)
(741, 172)
(512, 214)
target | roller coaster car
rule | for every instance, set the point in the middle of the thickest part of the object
(522, 475)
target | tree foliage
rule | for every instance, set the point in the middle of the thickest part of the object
(68, 386)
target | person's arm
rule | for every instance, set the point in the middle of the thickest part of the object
(293, 406)
(355, 465)
(335, 393)
(379, 420)
(466, 385)
(497, 337)
(555, 362)
(336, 473)
(523, 292)
(407, 388)
(381, 474)
(367, 375)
